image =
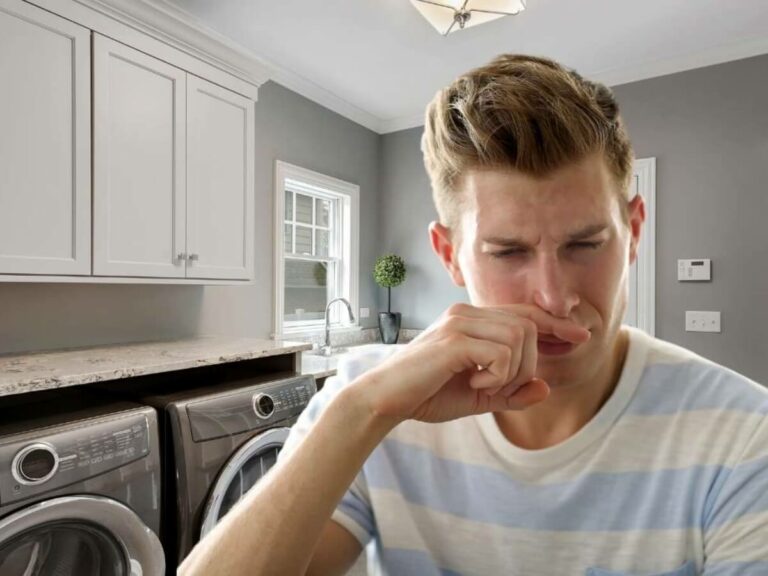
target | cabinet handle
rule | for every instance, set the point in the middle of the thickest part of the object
(193, 257)
(181, 256)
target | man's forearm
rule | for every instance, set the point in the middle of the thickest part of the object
(276, 526)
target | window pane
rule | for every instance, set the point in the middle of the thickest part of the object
(304, 208)
(288, 205)
(288, 241)
(306, 289)
(303, 240)
(321, 239)
(323, 212)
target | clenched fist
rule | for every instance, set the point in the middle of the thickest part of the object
(471, 360)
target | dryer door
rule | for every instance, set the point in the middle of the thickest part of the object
(244, 469)
(78, 536)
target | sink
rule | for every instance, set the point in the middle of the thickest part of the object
(326, 354)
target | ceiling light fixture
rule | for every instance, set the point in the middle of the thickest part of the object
(444, 15)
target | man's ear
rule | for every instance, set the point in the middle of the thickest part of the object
(636, 215)
(440, 236)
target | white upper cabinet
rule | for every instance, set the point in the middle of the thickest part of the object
(220, 142)
(139, 163)
(162, 127)
(45, 143)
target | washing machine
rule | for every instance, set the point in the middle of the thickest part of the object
(218, 441)
(79, 487)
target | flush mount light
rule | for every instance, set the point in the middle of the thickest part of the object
(445, 15)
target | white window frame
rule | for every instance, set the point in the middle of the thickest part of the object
(348, 226)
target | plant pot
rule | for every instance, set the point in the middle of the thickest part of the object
(389, 327)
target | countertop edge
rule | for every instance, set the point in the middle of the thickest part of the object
(35, 384)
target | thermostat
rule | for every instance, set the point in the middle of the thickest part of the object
(694, 270)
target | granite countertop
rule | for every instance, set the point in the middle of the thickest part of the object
(20, 373)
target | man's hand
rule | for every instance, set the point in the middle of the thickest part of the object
(471, 360)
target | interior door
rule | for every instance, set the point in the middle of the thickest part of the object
(220, 194)
(45, 143)
(139, 163)
(641, 304)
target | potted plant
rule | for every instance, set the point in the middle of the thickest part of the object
(389, 272)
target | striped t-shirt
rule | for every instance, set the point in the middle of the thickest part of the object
(669, 478)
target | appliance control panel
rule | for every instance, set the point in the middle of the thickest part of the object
(250, 408)
(38, 462)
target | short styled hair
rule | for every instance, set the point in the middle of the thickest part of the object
(522, 112)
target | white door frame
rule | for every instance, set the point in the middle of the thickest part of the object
(644, 170)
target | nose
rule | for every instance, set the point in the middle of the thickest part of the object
(551, 287)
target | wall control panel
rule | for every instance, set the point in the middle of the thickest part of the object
(694, 270)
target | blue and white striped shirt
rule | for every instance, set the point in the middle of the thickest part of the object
(669, 478)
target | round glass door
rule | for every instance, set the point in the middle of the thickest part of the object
(244, 469)
(64, 548)
(78, 536)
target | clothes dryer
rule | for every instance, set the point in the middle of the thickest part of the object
(79, 488)
(218, 441)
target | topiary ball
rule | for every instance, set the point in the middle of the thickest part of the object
(389, 271)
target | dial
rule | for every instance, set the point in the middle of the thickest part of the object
(263, 405)
(35, 464)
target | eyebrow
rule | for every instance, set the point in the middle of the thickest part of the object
(585, 232)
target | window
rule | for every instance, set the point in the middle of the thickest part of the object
(316, 248)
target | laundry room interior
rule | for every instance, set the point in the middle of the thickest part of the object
(237, 238)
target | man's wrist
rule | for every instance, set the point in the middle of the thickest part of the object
(359, 399)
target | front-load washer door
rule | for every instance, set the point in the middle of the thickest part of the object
(78, 536)
(242, 471)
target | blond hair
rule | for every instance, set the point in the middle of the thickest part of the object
(522, 112)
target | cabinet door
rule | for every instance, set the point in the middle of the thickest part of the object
(220, 164)
(45, 147)
(139, 163)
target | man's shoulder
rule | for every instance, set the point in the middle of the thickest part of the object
(676, 378)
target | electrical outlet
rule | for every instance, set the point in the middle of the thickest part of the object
(698, 321)
(365, 312)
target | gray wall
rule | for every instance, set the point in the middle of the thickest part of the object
(708, 130)
(406, 208)
(289, 127)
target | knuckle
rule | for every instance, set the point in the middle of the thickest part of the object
(452, 323)
(457, 309)
(452, 339)
(516, 334)
(505, 355)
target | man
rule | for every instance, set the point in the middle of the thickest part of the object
(526, 433)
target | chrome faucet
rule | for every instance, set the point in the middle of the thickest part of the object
(327, 347)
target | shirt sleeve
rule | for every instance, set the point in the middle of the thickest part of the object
(736, 525)
(354, 511)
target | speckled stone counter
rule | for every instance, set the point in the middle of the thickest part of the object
(21, 373)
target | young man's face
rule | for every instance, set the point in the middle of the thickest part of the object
(559, 243)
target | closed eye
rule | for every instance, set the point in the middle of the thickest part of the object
(588, 245)
(517, 251)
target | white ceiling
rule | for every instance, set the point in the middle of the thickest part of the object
(379, 62)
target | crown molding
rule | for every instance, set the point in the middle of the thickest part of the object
(403, 123)
(644, 71)
(323, 97)
(170, 24)
(683, 63)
